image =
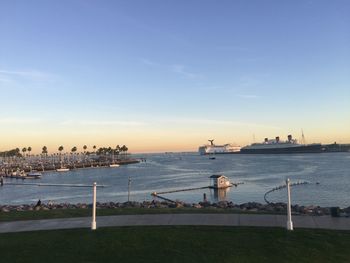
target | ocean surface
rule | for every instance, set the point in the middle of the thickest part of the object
(327, 174)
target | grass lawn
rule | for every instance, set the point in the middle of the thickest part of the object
(176, 244)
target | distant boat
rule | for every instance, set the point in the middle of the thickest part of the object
(33, 175)
(218, 149)
(22, 175)
(62, 169)
(113, 164)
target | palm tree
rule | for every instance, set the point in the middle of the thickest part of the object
(84, 147)
(24, 150)
(117, 151)
(60, 148)
(94, 147)
(44, 154)
(124, 149)
(29, 149)
(73, 150)
(44, 150)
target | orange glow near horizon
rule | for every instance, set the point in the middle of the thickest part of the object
(138, 142)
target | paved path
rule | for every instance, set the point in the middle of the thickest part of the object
(324, 222)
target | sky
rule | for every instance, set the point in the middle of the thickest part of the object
(169, 75)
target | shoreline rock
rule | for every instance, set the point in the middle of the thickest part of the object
(254, 207)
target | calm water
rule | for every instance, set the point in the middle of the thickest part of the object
(163, 172)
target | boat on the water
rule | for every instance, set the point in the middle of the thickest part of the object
(218, 149)
(276, 146)
(62, 169)
(21, 174)
(114, 165)
(33, 175)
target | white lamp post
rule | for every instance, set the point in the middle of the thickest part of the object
(289, 212)
(129, 182)
(93, 223)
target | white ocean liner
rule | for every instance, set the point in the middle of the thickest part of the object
(218, 149)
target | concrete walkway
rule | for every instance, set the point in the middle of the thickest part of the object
(320, 222)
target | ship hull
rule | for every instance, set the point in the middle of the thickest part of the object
(237, 152)
(312, 148)
(336, 147)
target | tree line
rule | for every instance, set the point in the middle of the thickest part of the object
(100, 151)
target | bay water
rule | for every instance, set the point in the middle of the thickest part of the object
(327, 175)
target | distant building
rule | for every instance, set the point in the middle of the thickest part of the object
(219, 181)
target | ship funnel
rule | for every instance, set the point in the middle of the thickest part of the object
(277, 139)
(266, 139)
(289, 137)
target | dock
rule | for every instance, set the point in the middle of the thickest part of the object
(159, 194)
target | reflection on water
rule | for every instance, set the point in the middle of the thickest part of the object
(219, 194)
(164, 172)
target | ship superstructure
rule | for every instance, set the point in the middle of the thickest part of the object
(218, 149)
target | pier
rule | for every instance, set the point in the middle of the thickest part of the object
(214, 186)
(282, 187)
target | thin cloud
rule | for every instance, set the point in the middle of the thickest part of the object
(112, 123)
(181, 69)
(4, 79)
(224, 123)
(148, 62)
(19, 121)
(19, 80)
(248, 96)
(175, 68)
(33, 75)
(102, 123)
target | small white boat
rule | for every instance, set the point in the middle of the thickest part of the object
(62, 169)
(33, 175)
(114, 165)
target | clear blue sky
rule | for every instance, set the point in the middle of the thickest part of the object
(168, 75)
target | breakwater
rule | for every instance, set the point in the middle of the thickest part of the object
(9, 168)
(252, 207)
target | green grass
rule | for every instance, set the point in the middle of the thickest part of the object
(176, 244)
(67, 213)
